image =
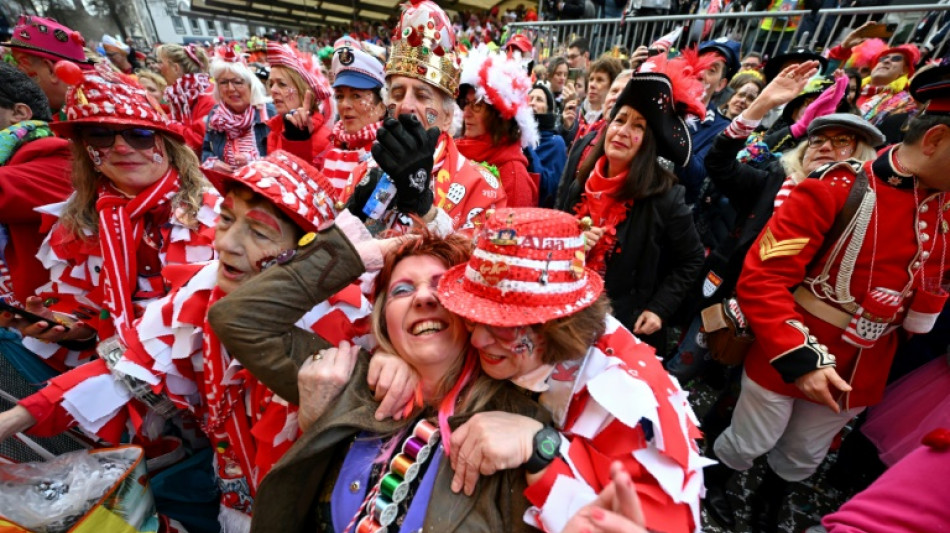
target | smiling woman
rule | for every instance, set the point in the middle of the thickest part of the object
(354, 463)
(237, 126)
(136, 185)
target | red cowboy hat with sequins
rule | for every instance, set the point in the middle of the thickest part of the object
(48, 39)
(528, 268)
(282, 55)
(290, 183)
(102, 96)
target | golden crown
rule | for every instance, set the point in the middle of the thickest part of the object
(422, 63)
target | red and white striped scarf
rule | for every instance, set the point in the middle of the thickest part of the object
(233, 125)
(347, 152)
(121, 227)
(227, 423)
(182, 94)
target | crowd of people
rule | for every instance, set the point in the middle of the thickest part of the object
(428, 284)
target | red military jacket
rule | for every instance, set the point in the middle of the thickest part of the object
(904, 246)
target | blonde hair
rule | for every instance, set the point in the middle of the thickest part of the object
(156, 78)
(299, 84)
(176, 54)
(792, 159)
(80, 216)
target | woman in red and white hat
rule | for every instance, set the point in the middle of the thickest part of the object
(358, 92)
(140, 204)
(301, 98)
(498, 122)
(190, 91)
(236, 129)
(352, 471)
(641, 238)
(539, 318)
(170, 360)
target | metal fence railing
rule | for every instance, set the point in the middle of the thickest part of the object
(815, 30)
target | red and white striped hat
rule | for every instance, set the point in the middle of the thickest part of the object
(282, 55)
(528, 268)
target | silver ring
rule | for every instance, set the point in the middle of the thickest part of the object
(317, 356)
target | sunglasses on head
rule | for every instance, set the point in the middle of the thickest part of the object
(137, 138)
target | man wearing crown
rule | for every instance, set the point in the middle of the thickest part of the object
(414, 148)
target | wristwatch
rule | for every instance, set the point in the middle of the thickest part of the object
(547, 445)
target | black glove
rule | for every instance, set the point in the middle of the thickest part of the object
(362, 192)
(293, 133)
(404, 149)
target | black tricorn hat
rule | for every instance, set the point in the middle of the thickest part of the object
(651, 94)
(798, 55)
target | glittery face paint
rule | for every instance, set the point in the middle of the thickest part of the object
(431, 116)
(357, 108)
(94, 156)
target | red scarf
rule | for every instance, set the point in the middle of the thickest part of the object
(600, 204)
(121, 228)
(227, 423)
(483, 149)
(181, 95)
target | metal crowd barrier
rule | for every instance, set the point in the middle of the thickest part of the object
(817, 31)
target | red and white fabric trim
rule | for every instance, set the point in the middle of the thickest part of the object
(619, 385)
(75, 266)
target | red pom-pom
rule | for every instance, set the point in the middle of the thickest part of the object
(68, 71)
(77, 38)
(938, 439)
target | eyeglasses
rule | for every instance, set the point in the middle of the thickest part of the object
(750, 66)
(747, 96)
(137, 138)
(237, 83)
(838, 141)
(893, 58)
(477, 106)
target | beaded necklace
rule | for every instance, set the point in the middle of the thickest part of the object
(383, 502)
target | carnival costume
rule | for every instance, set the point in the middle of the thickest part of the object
(181, 368)
(613, 402)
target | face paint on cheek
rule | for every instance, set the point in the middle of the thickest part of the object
(845, 152)
(158, 155)
(266, 219)
(94, 156)
(637, 138)
(522, 343)
(431, 116)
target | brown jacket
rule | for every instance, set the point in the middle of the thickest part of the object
(256, 324)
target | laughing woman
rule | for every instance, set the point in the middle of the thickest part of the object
(349, 468)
